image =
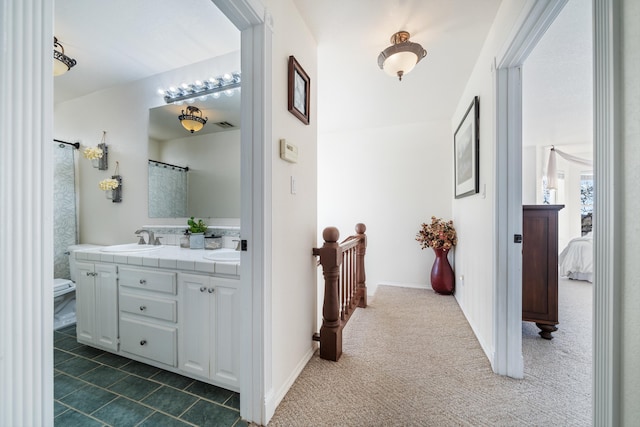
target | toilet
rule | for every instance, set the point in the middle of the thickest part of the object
(64, 295)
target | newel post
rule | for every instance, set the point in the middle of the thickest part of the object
(361, 277)
(331, 332)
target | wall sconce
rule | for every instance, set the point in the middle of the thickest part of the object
(192, 120)
(62, 63)
(400, 58)
(113, 186)
(201, 89)
(99, 155)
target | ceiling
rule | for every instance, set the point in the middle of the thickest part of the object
(355, 94)
(120, 41)
(558, 84)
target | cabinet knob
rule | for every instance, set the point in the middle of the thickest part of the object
(143, 308)
(202, 289)
(143, 282)
(211, 290)
(143, 342)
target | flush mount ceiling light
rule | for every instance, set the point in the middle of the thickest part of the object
(62, 63)
(400, 58)
(192, 120)
(227, 83)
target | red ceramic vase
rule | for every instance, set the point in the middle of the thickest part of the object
(442, 278)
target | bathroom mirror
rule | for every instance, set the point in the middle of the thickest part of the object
(210, 188)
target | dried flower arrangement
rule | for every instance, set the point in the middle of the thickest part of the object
(440, 234)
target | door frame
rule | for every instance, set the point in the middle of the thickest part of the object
(608, 204)
(256, 27)
(533, 23)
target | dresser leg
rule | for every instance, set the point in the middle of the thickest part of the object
(545, 330)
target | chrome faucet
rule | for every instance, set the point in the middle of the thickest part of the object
(150, 239)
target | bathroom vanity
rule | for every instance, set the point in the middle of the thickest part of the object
(169, 307)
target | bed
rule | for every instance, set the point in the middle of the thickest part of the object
(576, 260)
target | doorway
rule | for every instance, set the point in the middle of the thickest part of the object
(607, 65)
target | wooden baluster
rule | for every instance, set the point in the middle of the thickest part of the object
(352, 281)
(342, 293)
(361, 277)
(345, 286)
(331, 331)
(345, 281)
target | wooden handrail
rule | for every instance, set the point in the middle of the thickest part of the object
(344, 285)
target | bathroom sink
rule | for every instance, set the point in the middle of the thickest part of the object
(130, 247)
(223, 255)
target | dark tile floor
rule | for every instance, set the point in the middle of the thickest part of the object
(97, 388)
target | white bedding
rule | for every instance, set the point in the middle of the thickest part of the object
(576, 260)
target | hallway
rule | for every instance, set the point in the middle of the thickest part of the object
(411, 358)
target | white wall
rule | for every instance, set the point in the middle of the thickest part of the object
(529, 175)
(474, 215)
(392, 179)
(630, 319)
(293, 224)
(123, 112)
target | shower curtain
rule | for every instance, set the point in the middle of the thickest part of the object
(64, 207)
(167, 191)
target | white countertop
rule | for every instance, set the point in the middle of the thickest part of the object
(169, 256)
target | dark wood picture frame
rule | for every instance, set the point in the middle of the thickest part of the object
(466, 152)
(299, 91)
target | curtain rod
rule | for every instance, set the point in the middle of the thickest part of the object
(184, 168)
(75, 144)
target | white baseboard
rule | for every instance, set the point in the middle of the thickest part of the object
(405, 285)
(272, 400)
(489, 351)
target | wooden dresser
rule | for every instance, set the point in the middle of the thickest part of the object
(540, 266)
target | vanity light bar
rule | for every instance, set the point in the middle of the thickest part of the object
(226, 83)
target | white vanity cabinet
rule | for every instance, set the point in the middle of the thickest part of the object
(97, 305)
(148, 314)
(169, 307)
(209, 328)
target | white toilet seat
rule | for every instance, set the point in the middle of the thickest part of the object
(62, 286)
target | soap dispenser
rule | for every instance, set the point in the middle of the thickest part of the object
(184, 240)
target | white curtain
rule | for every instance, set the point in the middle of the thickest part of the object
(552, 171)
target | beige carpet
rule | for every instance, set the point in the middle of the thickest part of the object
(411, 359)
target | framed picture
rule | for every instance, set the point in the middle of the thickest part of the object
(466, 146)
(299, 91)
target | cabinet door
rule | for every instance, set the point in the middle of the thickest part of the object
(226, 337)
(85, 303)
(106, 304)
(193, 313)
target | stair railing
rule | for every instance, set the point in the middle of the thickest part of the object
(344, 286)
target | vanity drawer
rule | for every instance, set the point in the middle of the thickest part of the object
(159, 281)
(148, 307)
(153, 342)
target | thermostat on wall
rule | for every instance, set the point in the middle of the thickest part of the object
(288, 151)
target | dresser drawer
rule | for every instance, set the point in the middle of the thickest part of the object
(149, 307)
(158, 281)
(153, 342)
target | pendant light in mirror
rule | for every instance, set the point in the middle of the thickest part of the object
(192, 120)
